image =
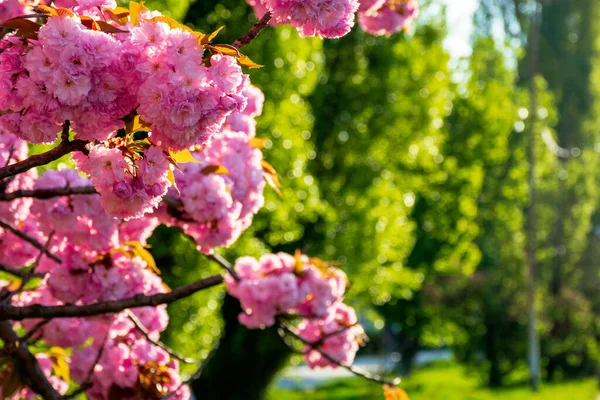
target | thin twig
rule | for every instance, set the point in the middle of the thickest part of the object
(48, 193)
(20, 273)
(254, 31)
(30, 240)
(26, 362)
(34, 330)
(85, 385)
(31, 272)
(197, 373)
(225, 265)
(64, 135)
(356, 371)
(37, 160)
(140, 327)
(10, 312)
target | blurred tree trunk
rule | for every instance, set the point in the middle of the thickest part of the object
(244, 364)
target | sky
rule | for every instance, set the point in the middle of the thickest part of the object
(460, 26)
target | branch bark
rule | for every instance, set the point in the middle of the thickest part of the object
(30, 240)
(254, 31)
(29, 368)
(44, 158)
(20, 273)
(356, 371)
(10, 312)
(47, 193)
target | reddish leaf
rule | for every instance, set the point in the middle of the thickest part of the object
(21, 24)
(108, 28)
(245, 61)
(215, 169)
(225, 49)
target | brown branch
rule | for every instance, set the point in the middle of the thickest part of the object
(34, 330)
(356, 371)
(31, 272)
(10, 312)
(27, 364)
(254, 31)
(37, 160)
(48, 193)
(225, 265)
(86, 384)
(197, 373)
(140, 327)
(30, 240)
(20, 273)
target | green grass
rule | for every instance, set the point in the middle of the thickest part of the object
(443, 382)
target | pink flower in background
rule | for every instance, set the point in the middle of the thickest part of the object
(389, 18)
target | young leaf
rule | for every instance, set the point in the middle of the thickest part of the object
(258, 143)
(108, 28)
(299, 264)
(64, 11)
(135, 9)
(224, 49)
(118, 14)
(24, 25)
(268, 168)
(171, 178)
(140, 250)
(184, 157)
(394, 393)
(206, 39)
(89, 23)
(136, 124)
(215, 169)
(172, 23)
(42, 9)
(60, 363)
(245, 61)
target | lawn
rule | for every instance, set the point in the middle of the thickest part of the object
(443, 382)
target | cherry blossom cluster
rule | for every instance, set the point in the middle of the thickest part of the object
(146, 68)
(97, 264)
(280, 284)
(70, 72)
(323, 18)
(129, 187)
(335, 18)
(386, 17)
(220, 195)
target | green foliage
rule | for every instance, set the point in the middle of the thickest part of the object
(441, 382)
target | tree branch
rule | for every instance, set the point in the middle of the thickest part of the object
(86, 384)
(356, 371)
(44, 158)
(29, 368)
(30, 240)
(48, 193)
(20, 273)
(254, 31)
(10, 312)
(225, 265)
(140, 327)
(197, 373)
